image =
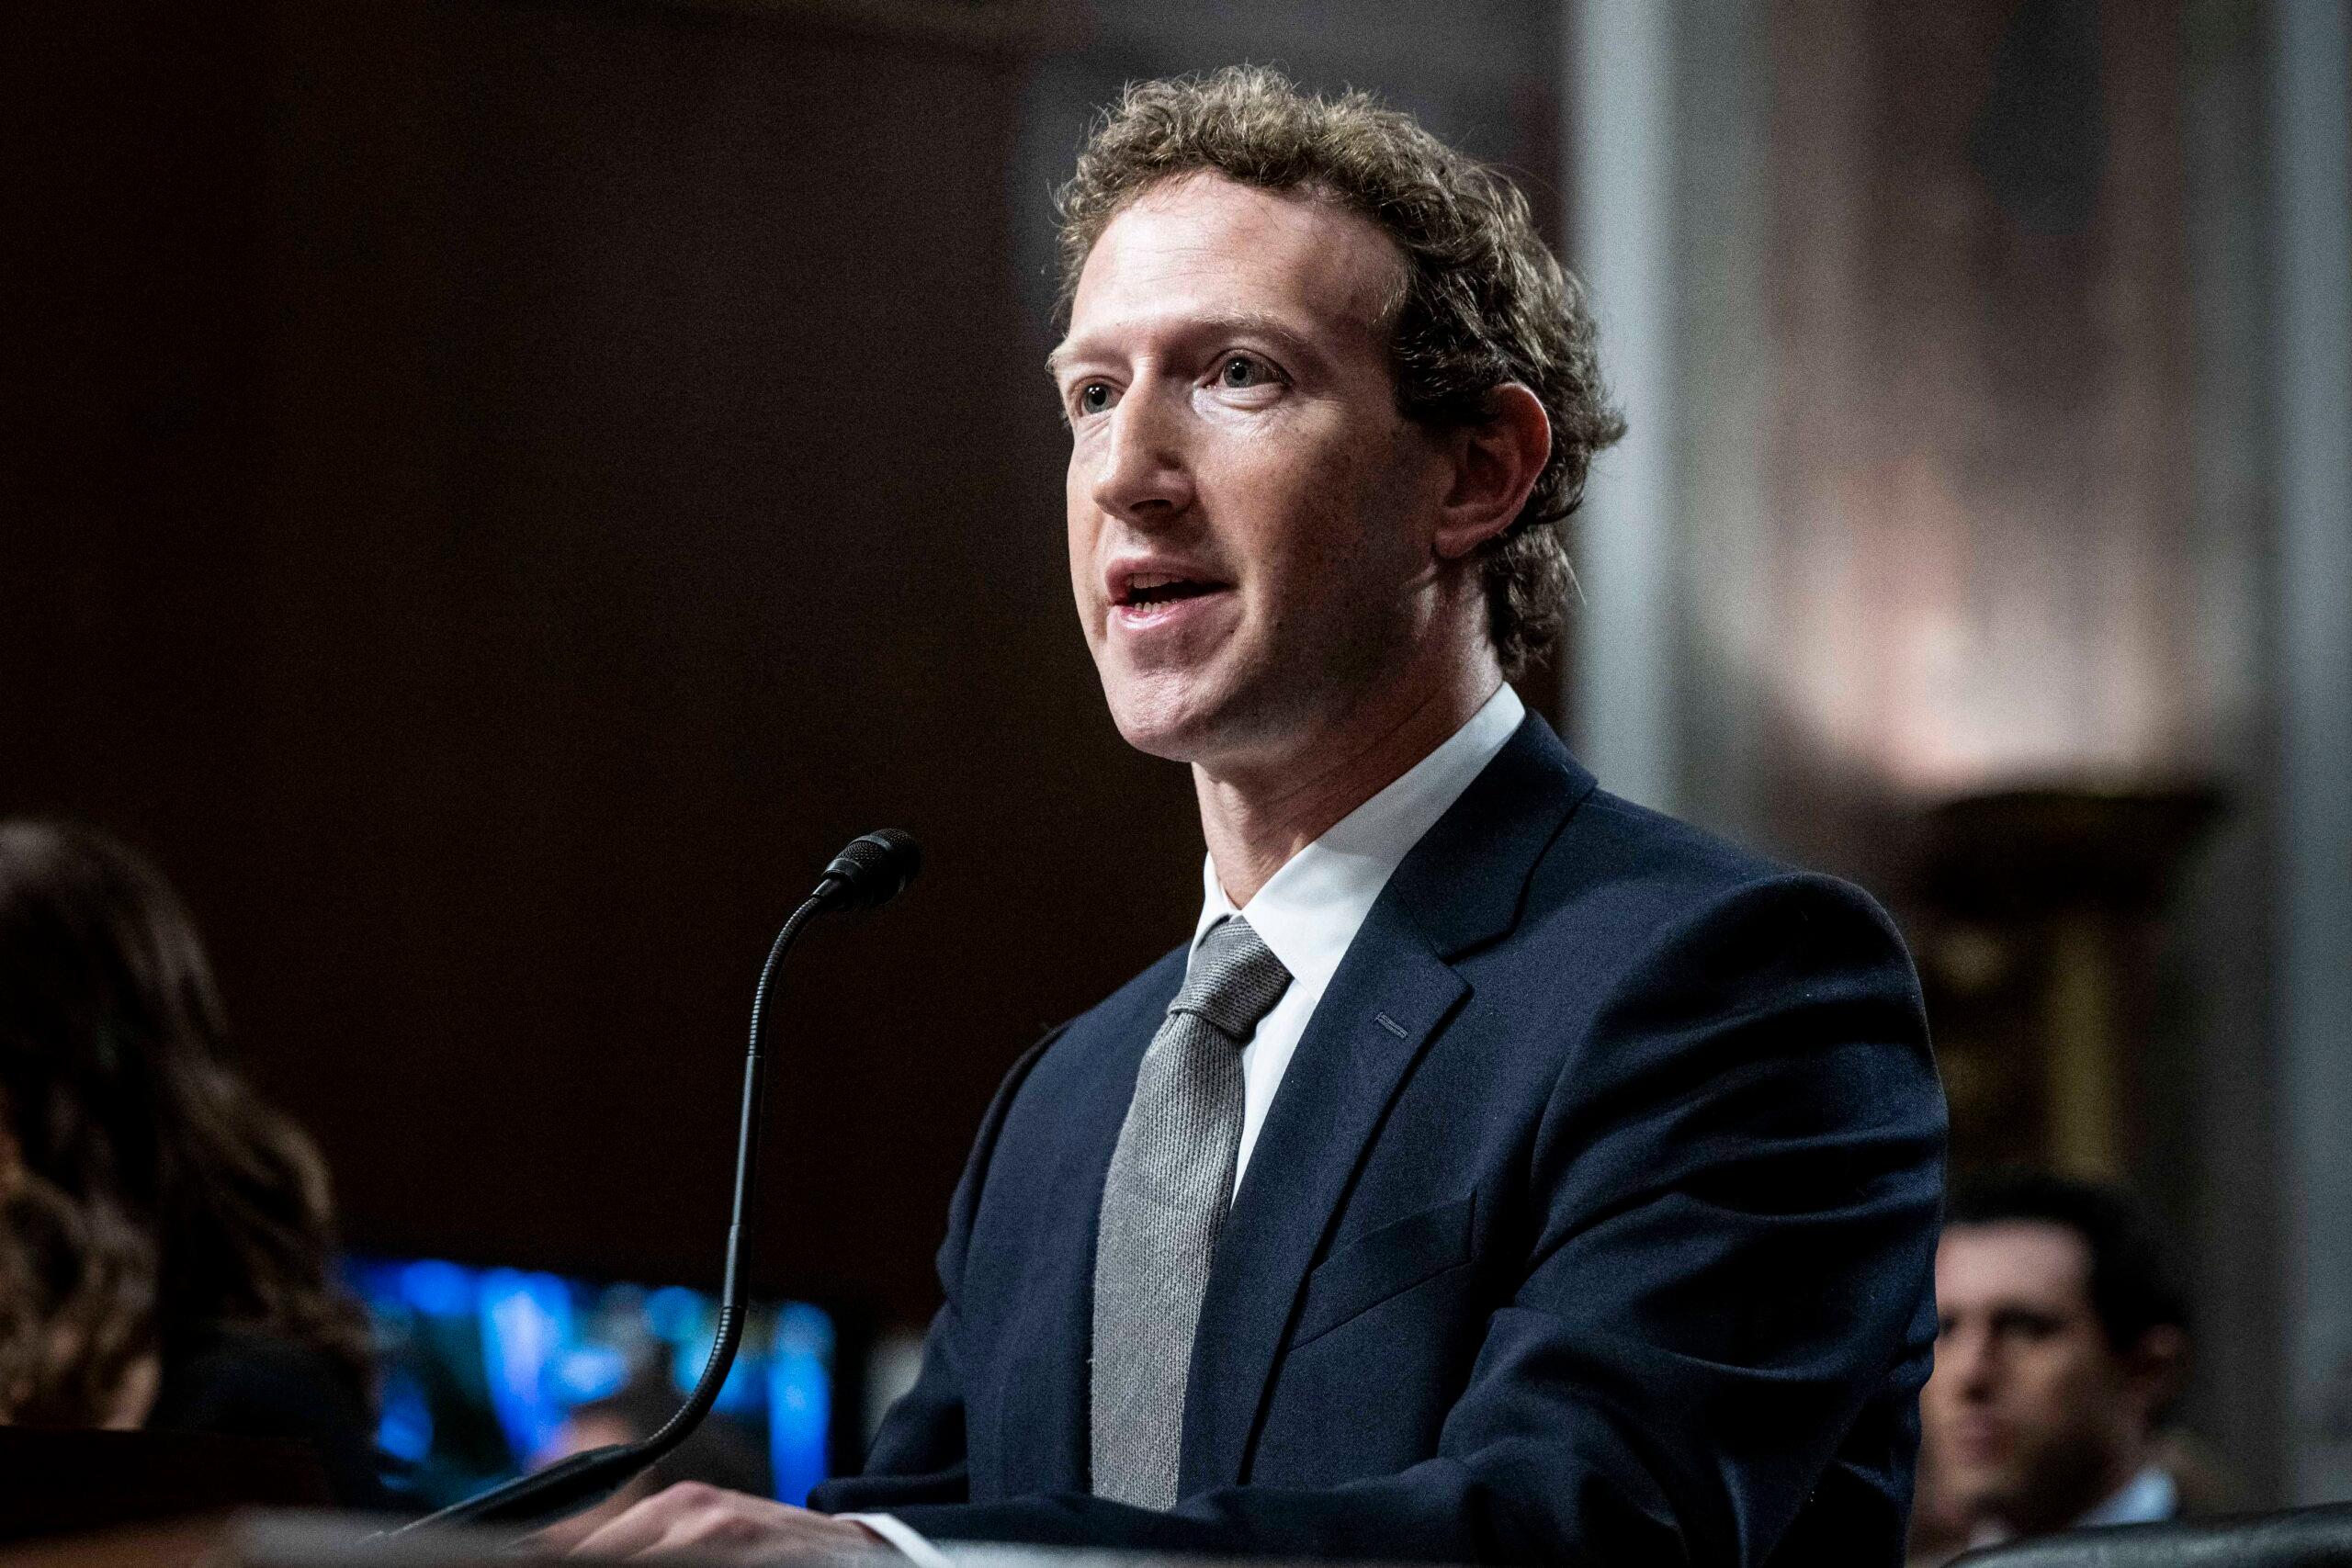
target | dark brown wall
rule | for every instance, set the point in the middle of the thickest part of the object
(494, 494)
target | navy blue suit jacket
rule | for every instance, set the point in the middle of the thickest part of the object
(1594, 1222)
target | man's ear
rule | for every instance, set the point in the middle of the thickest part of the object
(1496, 463)
(2158, 1364)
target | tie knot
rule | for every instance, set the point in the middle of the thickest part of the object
(1235, 980)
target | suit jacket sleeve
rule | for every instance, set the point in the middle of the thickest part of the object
(919, 1456)
(1738, 1175)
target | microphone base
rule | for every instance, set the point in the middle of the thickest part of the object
(562, 1489)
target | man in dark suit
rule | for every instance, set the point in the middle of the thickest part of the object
(2064, 1337)
(1503, 1172)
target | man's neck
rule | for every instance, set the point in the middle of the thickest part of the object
(2064, 1506)
(1255, 820)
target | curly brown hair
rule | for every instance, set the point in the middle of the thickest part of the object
(1485, 301)
(148, 1198)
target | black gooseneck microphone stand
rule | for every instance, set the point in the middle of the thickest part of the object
(868, 871)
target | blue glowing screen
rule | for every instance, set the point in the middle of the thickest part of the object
(492, 1372)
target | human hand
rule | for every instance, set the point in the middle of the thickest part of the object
(713, 1523)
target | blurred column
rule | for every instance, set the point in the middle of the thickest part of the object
(1620, 142)
(2311, 109)
(1664, 145)
(2217, 1160)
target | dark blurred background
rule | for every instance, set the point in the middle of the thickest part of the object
(492, 494)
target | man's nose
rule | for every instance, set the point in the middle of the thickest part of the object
(1966, 1358)
(1143, 476)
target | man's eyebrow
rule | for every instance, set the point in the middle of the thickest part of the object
(1246, 322)
(1256, 324)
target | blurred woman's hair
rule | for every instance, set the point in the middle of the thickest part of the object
(149, 1199)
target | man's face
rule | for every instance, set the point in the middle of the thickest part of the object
(2030, 1412)
(1251, 519)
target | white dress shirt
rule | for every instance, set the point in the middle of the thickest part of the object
(1308, 914)
(2150, 1498)
(2146, 1498)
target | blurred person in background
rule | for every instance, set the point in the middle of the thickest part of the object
(2063, 1339)
(165, 1237)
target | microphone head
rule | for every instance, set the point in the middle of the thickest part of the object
(871, 870)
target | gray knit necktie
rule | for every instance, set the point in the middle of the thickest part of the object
(1171, 1181)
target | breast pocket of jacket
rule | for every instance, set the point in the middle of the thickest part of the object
(1385, 1263)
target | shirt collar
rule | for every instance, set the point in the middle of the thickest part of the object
(1309, 911)
(2145, 1498)
(2149, 1498)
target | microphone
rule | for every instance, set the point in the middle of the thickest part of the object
(870, 871)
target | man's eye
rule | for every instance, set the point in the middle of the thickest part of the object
(1094, 398)
(1240, 371)
(2030, 1327)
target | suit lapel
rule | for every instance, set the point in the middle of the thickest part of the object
(1043, 1413)
(1461, 886)
(1389, 995)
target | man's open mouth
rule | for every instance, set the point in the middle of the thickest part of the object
(1154, 588)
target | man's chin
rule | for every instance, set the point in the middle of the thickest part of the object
(1158, 738)
(2023, 1499)
(1167, 717)
(1982, 1492)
